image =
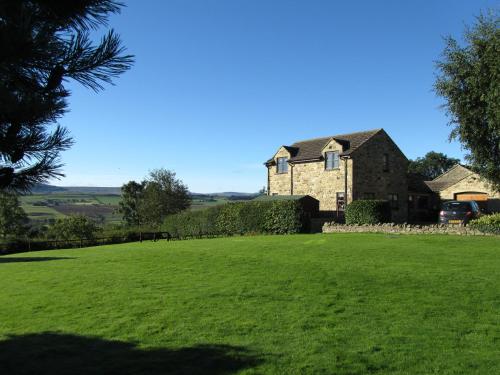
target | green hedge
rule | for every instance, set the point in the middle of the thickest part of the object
(487, 224)
(277, 217)
(367, 212)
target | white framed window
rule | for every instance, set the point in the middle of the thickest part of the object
(282, 165)
(332, 160)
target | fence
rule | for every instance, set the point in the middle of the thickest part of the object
(25, 245)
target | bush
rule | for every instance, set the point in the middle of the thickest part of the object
(368, 212)
(74, 227)
(277, 217)
(284, 217)
(192, 223)
(487, 224)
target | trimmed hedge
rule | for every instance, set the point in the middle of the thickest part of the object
(487, 224)
(367, 212)
(277, 217)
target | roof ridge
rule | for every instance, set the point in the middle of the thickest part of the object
(338, 135)
(449, 170)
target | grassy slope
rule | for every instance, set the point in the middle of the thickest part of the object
(343, 304)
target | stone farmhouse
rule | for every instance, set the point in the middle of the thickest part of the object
(364, 165)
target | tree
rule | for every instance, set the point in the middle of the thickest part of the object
(469, 81)
(42, 44)
(129, 205)
(432, 165)
(13, 219)
(149, 202)
(74, 227)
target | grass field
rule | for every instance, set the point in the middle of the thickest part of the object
(304, 304)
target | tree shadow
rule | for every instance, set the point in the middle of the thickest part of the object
(30, 259)
(52, 353)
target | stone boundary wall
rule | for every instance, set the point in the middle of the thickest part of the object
(402, 229)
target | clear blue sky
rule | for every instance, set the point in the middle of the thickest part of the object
(219, 85)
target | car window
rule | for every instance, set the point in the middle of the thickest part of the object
(456, 206)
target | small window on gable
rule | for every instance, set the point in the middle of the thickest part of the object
(386, 162)
(332, 160)
(282, 165)
(393, 201)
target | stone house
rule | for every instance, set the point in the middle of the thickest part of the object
(339, 169)
(368, 165)
(460, 183)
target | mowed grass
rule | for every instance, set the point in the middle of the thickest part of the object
(303, 304)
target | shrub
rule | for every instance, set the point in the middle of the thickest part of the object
(367, 212)
(487, 224)
(285, 217)
(74, 227)
(277, 217)
(191, 223)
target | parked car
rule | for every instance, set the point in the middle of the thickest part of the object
(459, 212)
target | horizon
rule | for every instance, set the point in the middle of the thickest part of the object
(219, 86)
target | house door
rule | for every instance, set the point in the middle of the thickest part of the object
(340, 202)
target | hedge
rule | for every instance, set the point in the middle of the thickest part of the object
(487, 224)
(367, 212)
(277, 217)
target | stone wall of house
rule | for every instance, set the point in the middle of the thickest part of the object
(392, 228)
(473, 183)
(370, 178)
(279, 183)
(312, 179)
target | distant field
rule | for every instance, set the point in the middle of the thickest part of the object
(43, 208)
(341, 304)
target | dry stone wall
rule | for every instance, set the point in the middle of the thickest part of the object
(392, 228)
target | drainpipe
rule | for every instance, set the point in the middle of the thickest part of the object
(268, 181)
(345, 178)
(291, 179)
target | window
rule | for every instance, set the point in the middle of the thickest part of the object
(411, 202)
(332, 160)
(422, 202)
(282, 165)
(386, 162)
(369, 196)
(393, 201)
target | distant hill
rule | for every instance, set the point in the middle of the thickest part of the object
(49, 189)
(104, 190)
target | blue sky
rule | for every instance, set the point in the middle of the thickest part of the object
(219, 85)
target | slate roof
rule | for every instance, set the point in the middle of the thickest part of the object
(282, 197)
(449, 178)
(311, 149)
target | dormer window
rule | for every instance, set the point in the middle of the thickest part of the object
(332, 160)
(282, 165)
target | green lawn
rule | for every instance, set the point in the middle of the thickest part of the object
(304, 304)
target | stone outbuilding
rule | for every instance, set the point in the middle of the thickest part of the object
(460, 183)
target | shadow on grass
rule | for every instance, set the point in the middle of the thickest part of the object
(52, 353)
(29, 259)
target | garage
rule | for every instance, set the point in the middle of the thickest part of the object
(480, 198)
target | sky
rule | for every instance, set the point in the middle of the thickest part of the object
(219, 85)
